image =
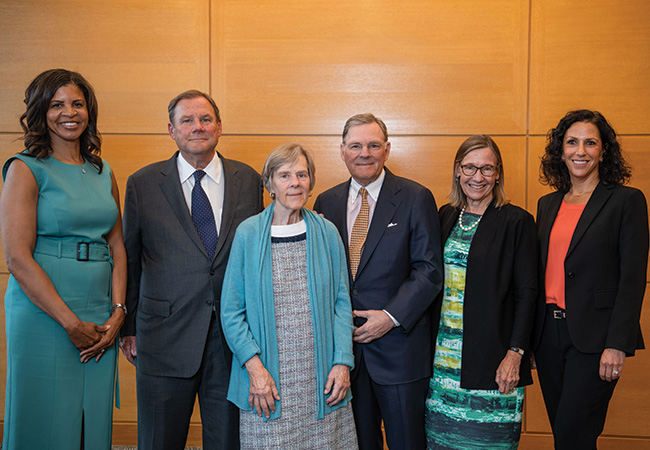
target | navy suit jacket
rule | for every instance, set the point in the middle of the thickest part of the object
(173, 285)
(400, 271)
(605, 268)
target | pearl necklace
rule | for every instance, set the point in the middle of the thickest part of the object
(460, 221)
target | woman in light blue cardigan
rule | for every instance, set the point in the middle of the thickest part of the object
(287, 317)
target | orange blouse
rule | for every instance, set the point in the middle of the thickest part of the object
(558, 246)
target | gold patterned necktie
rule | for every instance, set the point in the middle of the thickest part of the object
(359, 233)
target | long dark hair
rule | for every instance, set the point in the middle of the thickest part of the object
(613, 169)
(38, 95)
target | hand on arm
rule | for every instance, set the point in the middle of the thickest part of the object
(262, 393)
(338, 383)
(611, 364)
(507, 375)
(377, 324)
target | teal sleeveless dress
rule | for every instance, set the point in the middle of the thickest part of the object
(50, 394)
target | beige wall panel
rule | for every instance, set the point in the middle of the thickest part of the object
(590, 54)
(535, 188)
(128, 153)
(629, 409)
(137, 54)
(423, 66)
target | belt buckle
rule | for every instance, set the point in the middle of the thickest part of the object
(83, 250)
(559, 314)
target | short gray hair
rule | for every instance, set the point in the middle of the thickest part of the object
(362, 119)
(286, 154)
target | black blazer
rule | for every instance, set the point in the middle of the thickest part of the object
(500, 292)
(400, 271)
(605, 268)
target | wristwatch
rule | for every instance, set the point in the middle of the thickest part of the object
(517, 350)
(119, 305)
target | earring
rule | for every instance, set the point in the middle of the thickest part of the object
(497, 182)
(458, 179)
(272, 194)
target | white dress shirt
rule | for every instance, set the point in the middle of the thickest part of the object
(212, 183)
(354, 200)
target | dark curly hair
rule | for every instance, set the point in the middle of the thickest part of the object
(613, 169)
(38, 95)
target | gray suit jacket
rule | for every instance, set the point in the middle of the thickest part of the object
(172, 284)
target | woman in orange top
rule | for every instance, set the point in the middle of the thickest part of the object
(593, 235)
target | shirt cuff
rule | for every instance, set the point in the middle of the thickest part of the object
(391, 318)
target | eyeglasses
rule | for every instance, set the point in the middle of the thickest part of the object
(470, 170)
(371, 146)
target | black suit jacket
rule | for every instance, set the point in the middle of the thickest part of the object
(500, 292)
(400, 271)
(605, 268)
(172, 283)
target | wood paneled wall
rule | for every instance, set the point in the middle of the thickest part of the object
(435, 71)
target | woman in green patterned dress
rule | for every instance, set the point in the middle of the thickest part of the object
(487, 309)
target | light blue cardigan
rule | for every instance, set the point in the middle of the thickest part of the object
(247, 309)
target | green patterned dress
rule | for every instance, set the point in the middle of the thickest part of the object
(459, 418)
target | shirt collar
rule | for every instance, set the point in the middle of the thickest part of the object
(212, 170)
(373, 188)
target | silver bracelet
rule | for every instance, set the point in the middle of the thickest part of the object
(119, 305)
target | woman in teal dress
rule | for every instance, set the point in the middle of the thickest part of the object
(481, 364)
(62, 235)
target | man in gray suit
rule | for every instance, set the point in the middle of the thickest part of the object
(180, 217)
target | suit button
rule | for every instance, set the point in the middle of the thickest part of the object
(211, 272)
(355, 292)
(209, 303)
(572, 275)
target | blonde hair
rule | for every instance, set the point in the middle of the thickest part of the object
(457, 197)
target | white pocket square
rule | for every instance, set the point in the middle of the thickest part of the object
(392, 224)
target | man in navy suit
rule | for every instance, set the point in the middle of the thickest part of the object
(399, 274)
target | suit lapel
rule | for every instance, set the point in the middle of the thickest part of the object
(171, 189)
(387, 204)
(550, 214)
(232, 184)
(599, 197)
(339, 210)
